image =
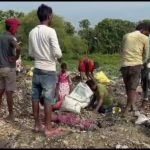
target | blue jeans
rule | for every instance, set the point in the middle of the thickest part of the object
(44, 84)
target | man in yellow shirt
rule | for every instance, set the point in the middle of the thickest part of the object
(135, 51)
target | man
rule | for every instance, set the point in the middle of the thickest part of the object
(101, 101)
(87, 66)
(135, 51)
(145, 79)
(9, 53)
(45, 49)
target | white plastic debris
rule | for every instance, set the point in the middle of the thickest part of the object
(141, 119)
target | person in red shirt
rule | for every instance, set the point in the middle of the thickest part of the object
(86, 65)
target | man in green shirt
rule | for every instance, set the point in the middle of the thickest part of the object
(101, 99)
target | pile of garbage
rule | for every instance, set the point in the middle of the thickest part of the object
(87, 128)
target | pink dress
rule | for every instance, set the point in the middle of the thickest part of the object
(64, 83)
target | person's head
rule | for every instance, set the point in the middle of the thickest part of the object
(96, 65)
(144, 28)
(92, 85)
(63, 67)
(12, 25)
(44, 13)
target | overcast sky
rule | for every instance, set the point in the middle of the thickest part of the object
(94, 11)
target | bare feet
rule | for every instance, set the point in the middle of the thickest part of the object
(54, 132)
(10, 118)
(124, 113)
(133, 108)
(39, 128)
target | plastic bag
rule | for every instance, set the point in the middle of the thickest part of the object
(141, 119)
(102, 78)
(70, 104)
(81, 93)
(30, 72)
(79, 98)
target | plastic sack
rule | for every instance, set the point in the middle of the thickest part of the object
(79, 98)
(101, 77)
(81, 93)
(70, 104)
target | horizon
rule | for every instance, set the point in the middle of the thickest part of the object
(95, 12)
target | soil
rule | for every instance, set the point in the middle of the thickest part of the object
(111, 131)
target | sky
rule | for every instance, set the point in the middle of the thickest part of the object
(95, 12)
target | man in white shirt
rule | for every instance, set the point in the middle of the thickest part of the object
(45, 49)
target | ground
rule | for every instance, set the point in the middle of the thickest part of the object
(111, 130)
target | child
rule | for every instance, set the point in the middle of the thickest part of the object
(101, 100)
(63, 87)
(64, 82)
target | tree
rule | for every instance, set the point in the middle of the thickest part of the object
(69, 28)
(69, 43)
(84, 24)
(10, 14)
(110, 33)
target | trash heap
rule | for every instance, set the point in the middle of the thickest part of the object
(87, 129)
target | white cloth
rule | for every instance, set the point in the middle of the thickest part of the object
(44, 47)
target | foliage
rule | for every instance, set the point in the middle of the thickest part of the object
(104, 38)
(110, 33)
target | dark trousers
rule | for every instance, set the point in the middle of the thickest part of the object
(145, 81)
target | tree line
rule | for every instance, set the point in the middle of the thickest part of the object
(104, 38)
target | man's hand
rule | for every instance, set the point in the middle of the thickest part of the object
(145, 65)
(59, 60)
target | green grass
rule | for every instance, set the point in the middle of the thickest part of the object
(27, 63)
(110, 64)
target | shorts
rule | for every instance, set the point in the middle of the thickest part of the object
(44, 84)
(8, 79)
(131, 76)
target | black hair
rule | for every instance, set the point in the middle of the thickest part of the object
(63, 66)
(90, 83)
(96, 65)
(7, 27)
(143, 26)
(44, 12)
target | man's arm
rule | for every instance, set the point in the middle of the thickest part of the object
(146, 51)
(16, 46)
(55, 45)
(30, 48)
(100, 103)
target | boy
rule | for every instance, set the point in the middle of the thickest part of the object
(44, 48)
